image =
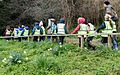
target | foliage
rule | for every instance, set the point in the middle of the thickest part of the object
(14, 12)
(46, 58)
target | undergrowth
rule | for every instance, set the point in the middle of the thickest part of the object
(46, 58)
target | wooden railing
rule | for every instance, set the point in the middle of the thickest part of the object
(67, 35)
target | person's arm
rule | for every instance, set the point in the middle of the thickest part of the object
(66, 31)
(101, 27)
(76, 30)
(22, 32)
(28, 31)
(17, 31)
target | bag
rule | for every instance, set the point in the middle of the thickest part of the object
(114, 18)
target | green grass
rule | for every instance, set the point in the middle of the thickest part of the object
(46, 58)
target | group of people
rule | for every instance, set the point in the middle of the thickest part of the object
(84, 27)
(53, 28)
(108, 26)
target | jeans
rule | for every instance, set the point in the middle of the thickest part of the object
(115, 44)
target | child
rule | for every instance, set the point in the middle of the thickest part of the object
(42, 31)
(54, 31)
(62, 29)
(91, 31)
(82, 28)
(36, 31)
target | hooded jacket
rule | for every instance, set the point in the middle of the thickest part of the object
(81, 21)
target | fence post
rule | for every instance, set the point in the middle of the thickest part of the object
(82, 41)
(109, 41)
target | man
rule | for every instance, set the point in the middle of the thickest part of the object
(109, 10)
(107, 27)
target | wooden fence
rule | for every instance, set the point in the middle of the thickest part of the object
(67, 35)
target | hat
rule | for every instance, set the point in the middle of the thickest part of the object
(106, 2)
(81, 20)
(62, 20)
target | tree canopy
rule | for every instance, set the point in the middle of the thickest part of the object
(15, 12)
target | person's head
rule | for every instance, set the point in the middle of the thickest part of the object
(22, 26)
(52, 20)
(81, 20)
(106, 3)
(62, 20)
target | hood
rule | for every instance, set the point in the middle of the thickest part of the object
(20, 29)
(26, 27)
(81, 20)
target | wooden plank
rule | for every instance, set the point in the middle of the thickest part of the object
(58, 35)
(28, 39)
(82, 41)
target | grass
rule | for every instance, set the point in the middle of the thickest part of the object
(46, 58)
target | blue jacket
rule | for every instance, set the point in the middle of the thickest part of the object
(27, 28)
(20, 29)
(35, 27)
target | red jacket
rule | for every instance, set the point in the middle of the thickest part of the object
(76, 29)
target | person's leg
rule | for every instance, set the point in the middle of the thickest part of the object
(25, 38)
(19, 39)
(62, 39)
(56, 39)
(53, 37)
(89, 42)
(35, 38)
(49, 38)
(79, 42)
(104, 41)
(115, 44)
(43, 38)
